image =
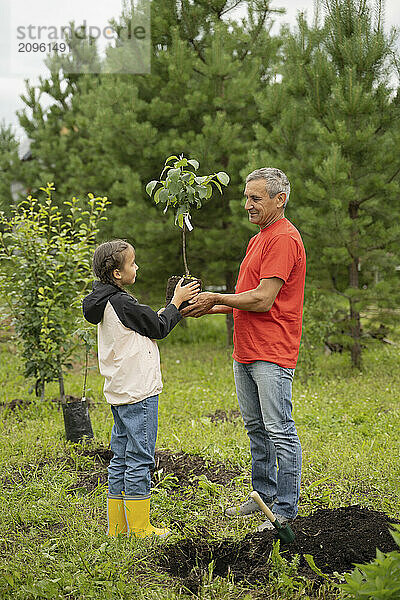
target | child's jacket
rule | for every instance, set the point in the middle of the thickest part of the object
(128, 355)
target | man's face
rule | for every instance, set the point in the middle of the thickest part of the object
(262, 209)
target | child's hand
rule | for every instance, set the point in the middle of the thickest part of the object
(184, 293)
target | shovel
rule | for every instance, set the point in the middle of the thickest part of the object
(285, 533)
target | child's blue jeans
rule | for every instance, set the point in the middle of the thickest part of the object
(133, 442)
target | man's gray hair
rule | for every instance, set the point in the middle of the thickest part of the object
(276, 181)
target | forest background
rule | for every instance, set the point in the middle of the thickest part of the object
(320, 102)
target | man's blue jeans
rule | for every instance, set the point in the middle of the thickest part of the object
(133, 442)
(264, 392)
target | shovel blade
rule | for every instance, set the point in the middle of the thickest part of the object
(285, 532)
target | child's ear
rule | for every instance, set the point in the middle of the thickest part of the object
(116, 274)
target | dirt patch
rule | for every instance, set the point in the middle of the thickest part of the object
(100, 454)
(16, 403)
(336, 539)
(18, 476)
(186, 468)
(221, 416)
(88, 481)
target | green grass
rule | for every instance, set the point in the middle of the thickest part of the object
(53, 543)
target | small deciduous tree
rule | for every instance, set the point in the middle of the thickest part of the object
(45, 267)
(182, 189)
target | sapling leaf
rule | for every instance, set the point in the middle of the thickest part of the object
(173, 174)
(188, 177)
(174, 187)
(190, 192)
(150, 186)
(202, 191)
(223, 177)
(194, 163)
(182, 188)
(157, 196)
(164, 169)
(217, 185)
(163, 196)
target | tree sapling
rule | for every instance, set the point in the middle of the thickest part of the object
(182, 189)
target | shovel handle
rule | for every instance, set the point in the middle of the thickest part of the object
(257, 498)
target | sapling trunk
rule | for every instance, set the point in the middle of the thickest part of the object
(187, 274)
(61, 387)
(40, 389)
(86, 370)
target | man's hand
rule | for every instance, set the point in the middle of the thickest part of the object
(200, 305)
(260, 299)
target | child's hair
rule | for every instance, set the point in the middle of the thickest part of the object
(107, 257)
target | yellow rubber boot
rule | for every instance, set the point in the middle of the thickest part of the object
(137, 512)
(116, 516)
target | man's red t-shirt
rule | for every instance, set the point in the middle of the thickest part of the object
(273, 336)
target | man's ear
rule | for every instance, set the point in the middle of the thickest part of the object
(282, 200)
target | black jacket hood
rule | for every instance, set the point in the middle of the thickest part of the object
(94, 304)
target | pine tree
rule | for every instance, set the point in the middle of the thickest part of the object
(336, 135)
(10, 168)
(197, 101)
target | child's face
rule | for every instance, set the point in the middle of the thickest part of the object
(127, 274)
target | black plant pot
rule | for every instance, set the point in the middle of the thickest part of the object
(77, 420)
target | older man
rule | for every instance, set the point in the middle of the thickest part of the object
(267, 308)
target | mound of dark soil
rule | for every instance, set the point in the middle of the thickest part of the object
(185, 467)
(336, 538)
(100, 454)
(221, 416)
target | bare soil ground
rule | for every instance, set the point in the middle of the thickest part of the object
(185, 467)
(336, 539)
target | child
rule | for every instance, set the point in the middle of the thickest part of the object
(130, 362)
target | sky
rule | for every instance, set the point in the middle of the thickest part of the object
(14, 13)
